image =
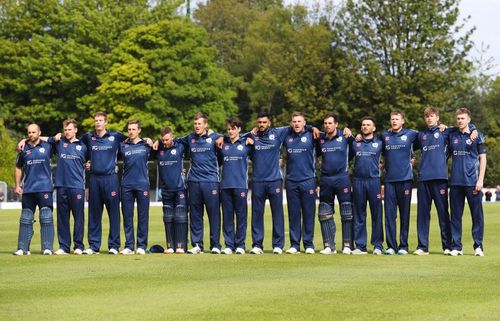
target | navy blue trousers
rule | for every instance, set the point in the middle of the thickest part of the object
(234, 206)
(274, 191)
(174, 198)
(437, 191)
(301, 199)
(204, 194)
(32, 200)
(104, 190)
(339, 186)
(129, 197)
(457, 202)
(367, 190)
(70, 200)
(397, 195)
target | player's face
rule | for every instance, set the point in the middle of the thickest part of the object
(233, 132)
(298, 124)
(100, 123)
(367, 127)
(330, 125)
(70, 131)
(431, 120)
(463, 121)
(133, 131)
(263, 123)
(167, 140)
(33, 133)
(397, 122)
(200, 125)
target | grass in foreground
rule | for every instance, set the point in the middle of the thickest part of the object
(266, 287)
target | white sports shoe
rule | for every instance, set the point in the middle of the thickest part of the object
(21, 252)
(446, 251)
(389, 251)
(215, 250)
(346, 250)
(359, 252)
(327, 250)
(47, 252)
(78, 252)
(195, 250)
(402, 252)
(113, 251)
(126, 251)
(180, 250)
(60, 252)
(240, 250)
(227, 251)
(169, 251)
(310, 250)
(292, 250)
(89, 251)
(456, 253)
(140, 251)
(377, 252)
(277, 251)
(256, 250)
(478, 252)
(420, 252)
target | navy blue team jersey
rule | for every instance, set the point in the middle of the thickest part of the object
(35, 163)
(234, 160)
(300, 160)
(170, 166)
(367, 157)
(465, 158)
(71, 157)
(334, 153)
(204, 165)
(135, 164)
(434, 161)
(103, 151)
(398, 151)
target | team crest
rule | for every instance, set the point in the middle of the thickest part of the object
(78, 196)
(65, 145)
(278, 190)
(404, 138)
(375, 145)
(46, 196)
(387, 138)
(303, 139)
(257, 138)
(240, 147)
(214, 192)
(93, 138)
(209, 140)
(113, 193)
(272, 137)
(346, 190)
(424, 137)
(436, 135)
(468, 142)
(145, 193)
(358, 144)
(290, 139)
(339, 139)
(42, 150)
(322, 141)
(78, 147)
(111, 138)
(126, 145)
(407, 192)
(242, 194)
(173, 152)
(379, 196)
(192, 141)
(161, 153)
(28, 152)
(311, 191)
(455, 141)
(442, 191)
(181, 196)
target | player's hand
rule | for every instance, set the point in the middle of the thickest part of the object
(21, 144)
(57, 137)
(254, 131)
(316, 133)
(210, 132)
(88, 165)
(149, 141)
(413, 160)
(249, 141)
(474, 135)
(347, 132)
(18, 190)
(219, 142)
(381, 165)
(479, 186)
(442, 127)
(358, 138)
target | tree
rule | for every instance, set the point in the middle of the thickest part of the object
(8, 159)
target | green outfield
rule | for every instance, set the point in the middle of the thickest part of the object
(266, 287)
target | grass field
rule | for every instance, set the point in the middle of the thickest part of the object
(266, 287)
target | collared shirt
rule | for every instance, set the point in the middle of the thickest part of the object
(170, 166)
(234, 160)
(35, 163)
(334, 153)
(465, 158)
(398, 151)
(300, 160)
(266, 154)
(367, 157)
(71, 157)
(434, 146)
(135, 164)
(204, 166)
(103, 151)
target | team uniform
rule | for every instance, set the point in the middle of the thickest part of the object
(300, 187)
(234, 188)
(268, 183)
(464, 175)
(135, 188)
(70, 185)
(37, 191)
(398, 152)
(173, 194)
(203, 186)
(433, 186)
(334, 181)
(366, 187)
(103, 187)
